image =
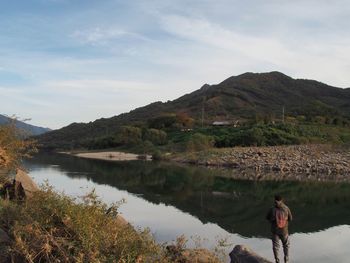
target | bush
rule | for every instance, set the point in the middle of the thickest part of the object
(55, 228)
(157, 137)
(128, 135)
(157, 155)
(13, 148)
(199, 142)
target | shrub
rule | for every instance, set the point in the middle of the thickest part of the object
(157, 155)
(128, 135)
(13, 148)
(52, 227)
(157, 137)
(199, 142)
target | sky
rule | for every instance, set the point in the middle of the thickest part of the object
(64, 61)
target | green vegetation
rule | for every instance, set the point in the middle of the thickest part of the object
(131, 138)
(313, 112)
(199, 142)
(278, 134)
(172, 139)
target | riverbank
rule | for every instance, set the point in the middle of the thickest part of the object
(48, 226)
(110, 155)
(319, 162)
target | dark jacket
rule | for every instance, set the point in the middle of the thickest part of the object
(271, 217)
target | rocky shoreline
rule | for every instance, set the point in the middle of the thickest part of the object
(301, 162)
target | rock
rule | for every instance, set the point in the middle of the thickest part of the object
(27, 183)
(4, 238)
(199, 256)
(243, 254)
(299, 160)
(180, 255)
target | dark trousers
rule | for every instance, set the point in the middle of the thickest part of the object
(276, 245)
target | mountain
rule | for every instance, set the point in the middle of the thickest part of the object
(239, 97)
(28, 129)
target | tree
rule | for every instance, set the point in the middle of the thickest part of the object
(129, 135)
(157, 137)
(199, 142)
(13, 146)
(161, 122)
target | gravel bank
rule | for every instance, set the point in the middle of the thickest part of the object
(311, 161)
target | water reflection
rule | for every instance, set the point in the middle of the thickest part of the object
(174, 200)
(238, 206)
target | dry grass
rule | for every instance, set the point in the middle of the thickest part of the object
(52, 227)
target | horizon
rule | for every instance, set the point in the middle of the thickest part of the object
(69, 61)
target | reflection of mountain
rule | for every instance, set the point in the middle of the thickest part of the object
(237, 206)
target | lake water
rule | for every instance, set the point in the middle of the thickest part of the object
(173, 200)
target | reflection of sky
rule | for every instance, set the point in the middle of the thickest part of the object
(168, 222)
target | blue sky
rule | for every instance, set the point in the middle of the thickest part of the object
(64, 61)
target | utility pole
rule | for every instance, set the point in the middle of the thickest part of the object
(203, 112)
(283, 114)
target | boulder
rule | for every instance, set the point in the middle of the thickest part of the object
(243, 254)
(199, 255)
(27, 183)
(4, 238)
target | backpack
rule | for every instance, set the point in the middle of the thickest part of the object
(281, 218)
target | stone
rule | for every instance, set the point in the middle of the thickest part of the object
(27, 183)
(4, 238)
(180, 255)
(243, 254)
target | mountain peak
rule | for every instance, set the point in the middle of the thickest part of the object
(205, 87)
(265, 76)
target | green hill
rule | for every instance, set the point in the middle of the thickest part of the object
(244, 97)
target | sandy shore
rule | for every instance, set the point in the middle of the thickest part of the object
(111, 156)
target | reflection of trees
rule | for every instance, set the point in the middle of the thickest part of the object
(238, 206)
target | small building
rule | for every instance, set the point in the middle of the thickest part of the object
(221, 123)
(186, 129)
(226, 123)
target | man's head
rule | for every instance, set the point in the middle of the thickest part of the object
(278, 198)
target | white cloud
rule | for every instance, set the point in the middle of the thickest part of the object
(102, 36)
(326, 61)
(99, 85)
(207, 33)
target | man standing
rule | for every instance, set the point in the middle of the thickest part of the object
(279, 215)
